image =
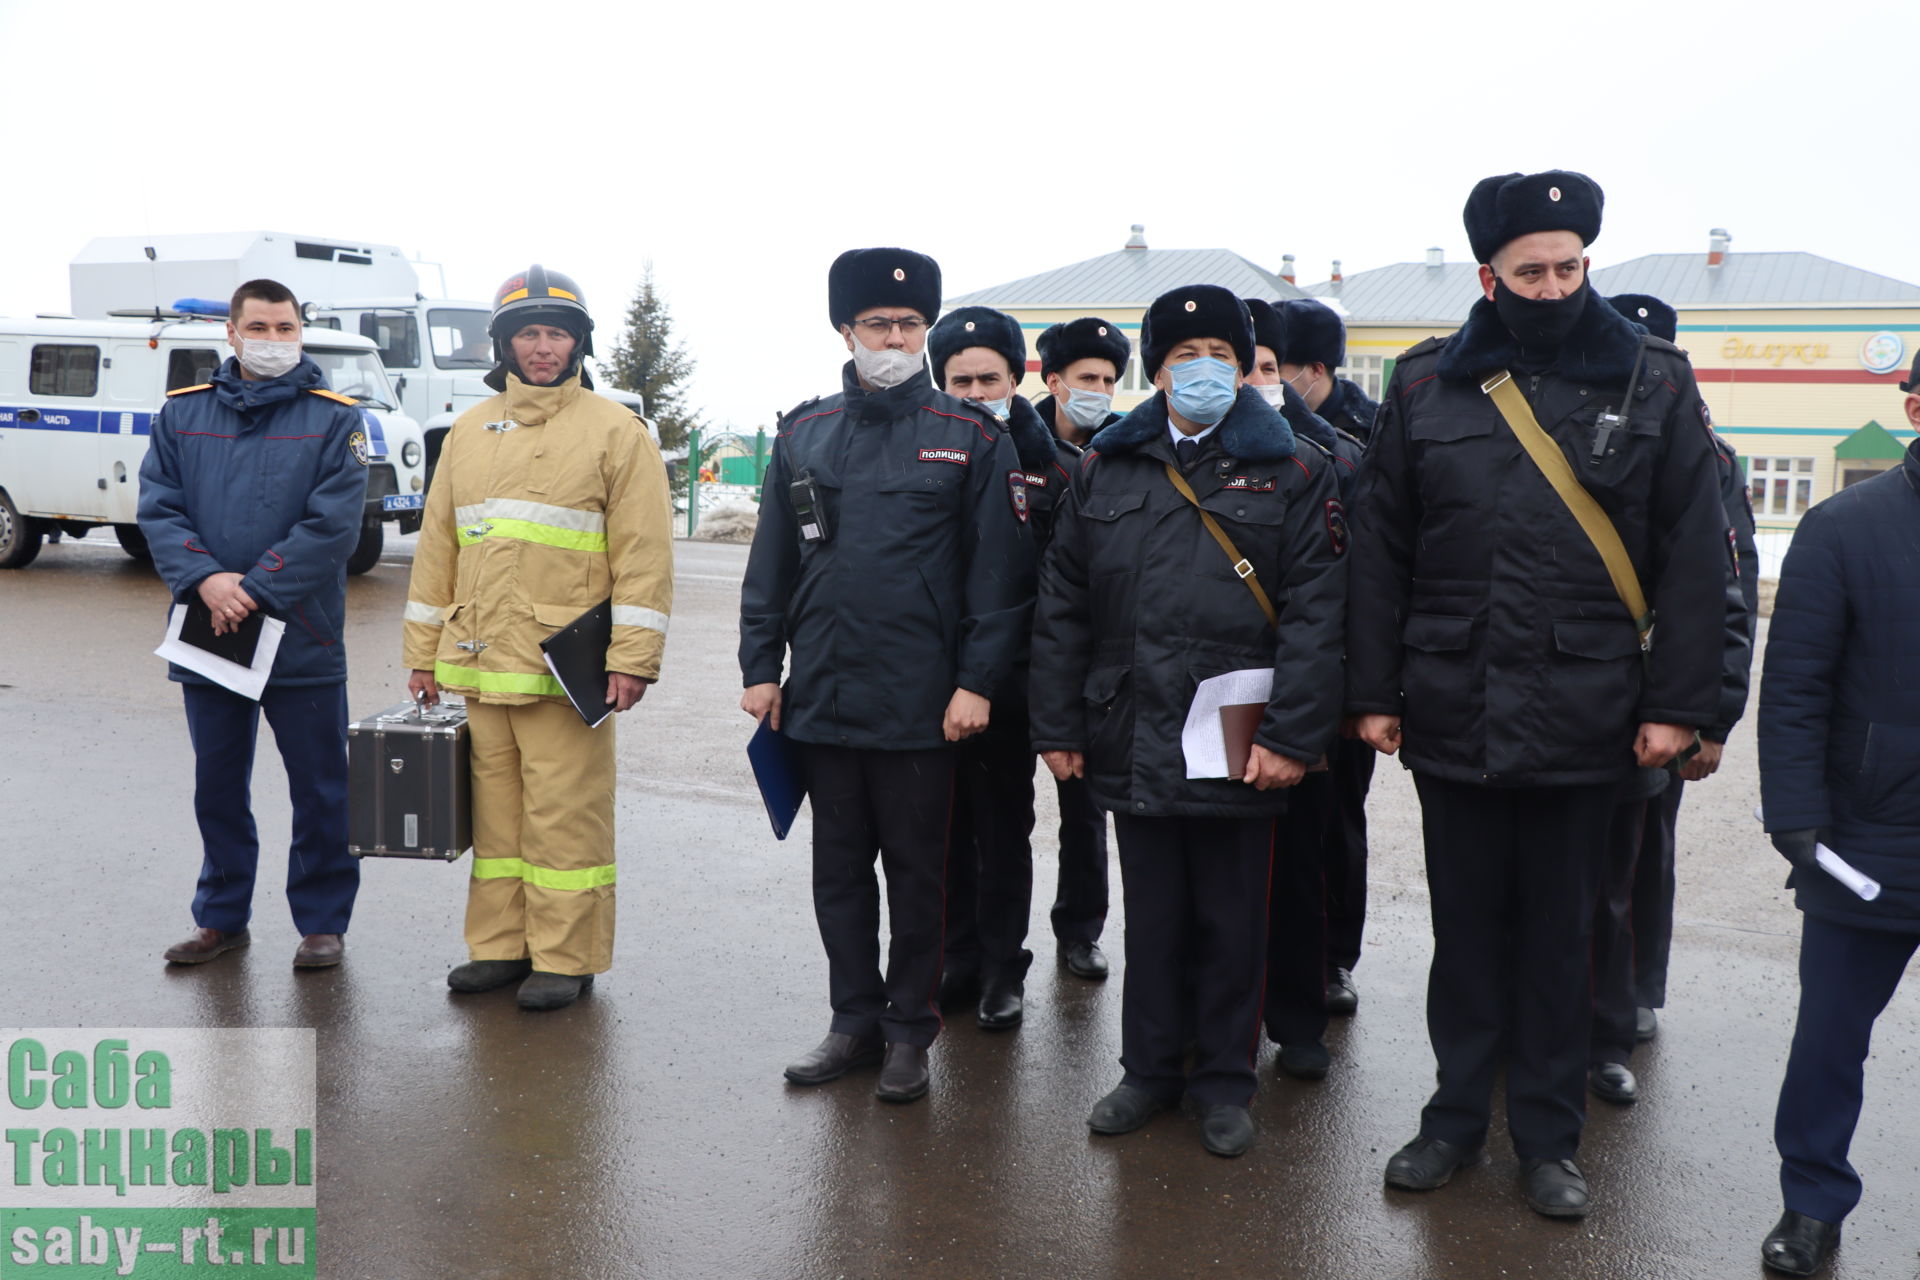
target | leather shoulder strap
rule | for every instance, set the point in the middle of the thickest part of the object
(1241, 565)
(1593, 521)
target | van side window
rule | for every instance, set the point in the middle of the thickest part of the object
(397, 336)
(64, 371)
(190, 366)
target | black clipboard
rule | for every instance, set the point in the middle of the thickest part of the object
(776, 768)
(237, 646)
(577, 656)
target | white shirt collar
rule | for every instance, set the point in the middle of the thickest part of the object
(1178, 435)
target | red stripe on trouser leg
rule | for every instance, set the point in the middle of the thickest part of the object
(1259, 1006)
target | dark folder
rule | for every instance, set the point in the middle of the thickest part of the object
(1239, 721)
(577, 656)
(236, 646)
(776, 767)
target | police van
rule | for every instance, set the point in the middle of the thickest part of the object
(436, 350)
(77, 403)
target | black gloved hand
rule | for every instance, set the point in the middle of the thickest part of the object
(1796, 846)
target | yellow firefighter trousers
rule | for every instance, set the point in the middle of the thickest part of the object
(543, 869)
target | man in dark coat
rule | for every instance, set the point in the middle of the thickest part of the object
(1316, 346)
(979, 355)
(1483, 614)
(251, 497)
(1139, 602)
(1840, 768)
(1295, 1004)
(1081, 362)
(1633, 922)
(893, 558)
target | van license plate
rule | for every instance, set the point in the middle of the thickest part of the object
(403, 502)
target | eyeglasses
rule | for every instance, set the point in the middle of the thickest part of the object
(880, 328)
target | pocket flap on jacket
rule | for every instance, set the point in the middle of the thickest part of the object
(1596, 638)
(1436, 632)
(1111, 506)
(1450, 426)
(556, 615)
(1103, 682)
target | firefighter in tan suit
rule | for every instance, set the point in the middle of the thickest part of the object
(547, 499)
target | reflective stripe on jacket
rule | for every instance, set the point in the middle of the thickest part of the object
(545, 502)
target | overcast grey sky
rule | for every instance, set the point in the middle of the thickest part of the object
(741, 147)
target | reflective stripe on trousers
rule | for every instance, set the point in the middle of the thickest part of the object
(543, 874)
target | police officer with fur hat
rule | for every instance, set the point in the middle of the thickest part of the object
(1295, 1009)
(894, 560)
(1313, 343)
(1081, 362)
(979, 355)
(1513, 658)
(1316, 346)
(547, 499)
(1633, 924)
(1197, 540)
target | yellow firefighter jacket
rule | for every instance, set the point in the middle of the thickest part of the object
(545, 501)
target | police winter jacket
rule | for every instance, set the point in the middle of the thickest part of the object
(1138, 604)
(267, 480)
(1347, 408)
(923, 583)
(546, 501)
(1743, 593)
(1481, 613)
(1340, 448)
(1048, 462)
(1840, 701)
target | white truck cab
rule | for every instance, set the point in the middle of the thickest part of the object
(435, 350)
(77, 403)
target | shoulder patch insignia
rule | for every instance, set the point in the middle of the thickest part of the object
(1337, 526)
(357, 446)
(181, 391)
(1706, 416)
(349, 401)
(959, 456)
(1017, 494)
(1733, 550)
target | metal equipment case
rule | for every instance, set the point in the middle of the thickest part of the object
(407, 776)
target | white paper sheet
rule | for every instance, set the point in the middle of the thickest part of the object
(1201, 741)
(1834, 865)
(248, 682)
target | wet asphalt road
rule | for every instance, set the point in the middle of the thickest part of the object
(646, 1132)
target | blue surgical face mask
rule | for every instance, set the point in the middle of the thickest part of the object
(1203, 389)
(998, 408)
(1088, 409)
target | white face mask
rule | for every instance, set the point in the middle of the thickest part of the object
(267, 359)
(998, 408)
(887, 367)
(1306, 390)
(1275, 395)
(1087, 409)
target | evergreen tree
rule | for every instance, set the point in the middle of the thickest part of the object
(646, 359)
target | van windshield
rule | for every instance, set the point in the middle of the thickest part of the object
(355, 373)
(460, 339)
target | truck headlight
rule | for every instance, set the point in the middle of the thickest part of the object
(410, 453)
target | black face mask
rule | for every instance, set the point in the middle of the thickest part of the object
(1539, 324)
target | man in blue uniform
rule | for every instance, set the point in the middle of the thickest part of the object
(894, 561)
(979, 354)
(1081, 361)
(1486, 613)
(251, 498)
(1196, 541)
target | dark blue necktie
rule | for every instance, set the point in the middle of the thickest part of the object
(1185, 450)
